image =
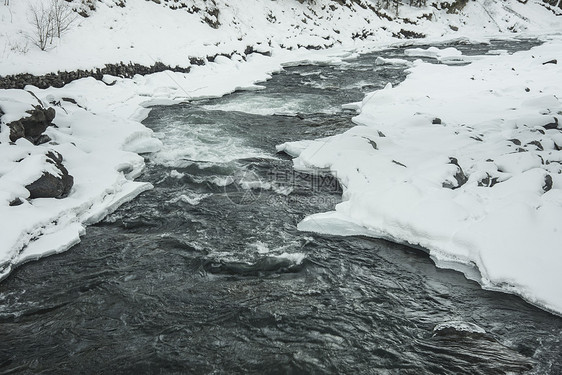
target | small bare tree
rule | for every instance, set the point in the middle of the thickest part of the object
(41, 19)
(63, 16)
(50, 21)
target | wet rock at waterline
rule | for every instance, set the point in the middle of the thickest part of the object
(50, 185)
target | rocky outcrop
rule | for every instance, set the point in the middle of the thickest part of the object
(50, 185)
(408, 34)
(32, 127)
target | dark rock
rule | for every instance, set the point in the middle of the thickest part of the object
(50, 186)
(537, 144)
(459, 176)
(547, 183)
(515, 141)
(408, 34)
(554, 61)
(43, 138)
(16, 202)
(250, 49)
(17, 130)
(54, 156)
(212, 19)
(542, 159)
(70, 100)
(372, 143)
(436, 121)
(196, 61)
(32, 127)
(552, 125)
(488, 181)
(398, 163)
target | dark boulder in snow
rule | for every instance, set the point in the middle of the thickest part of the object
(552, 125)
(196, 61)
(488, 181)
(551, 62)
(32, 127)
(547, 183)
(460, 177)
(16, 202)
(537, 144)
(49, 185)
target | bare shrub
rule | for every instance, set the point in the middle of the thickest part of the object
(41, 18)
(49, 21)
(63, 16)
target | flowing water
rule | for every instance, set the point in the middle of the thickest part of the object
(206, 273)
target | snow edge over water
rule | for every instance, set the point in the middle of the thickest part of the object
(466, 166)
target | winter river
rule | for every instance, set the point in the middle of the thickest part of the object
(206, 273)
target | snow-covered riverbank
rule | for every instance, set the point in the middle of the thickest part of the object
(99, 134)
(463, 161)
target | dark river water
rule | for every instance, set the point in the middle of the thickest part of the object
(207, 274)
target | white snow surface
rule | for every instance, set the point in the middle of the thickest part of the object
(145, 32)
(494, 116)
(509, 231)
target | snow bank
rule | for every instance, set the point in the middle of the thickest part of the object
(93, 150)
(462, 161)
(99, 135)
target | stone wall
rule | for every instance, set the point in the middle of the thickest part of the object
(59, 79)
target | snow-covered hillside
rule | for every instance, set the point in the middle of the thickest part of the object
(145, 32)
(98, 134)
